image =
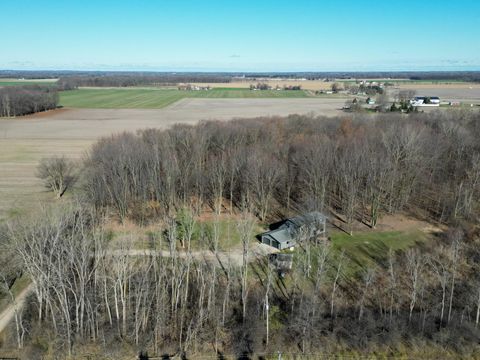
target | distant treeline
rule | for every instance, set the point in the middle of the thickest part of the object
(118, 80)
(132, 78)
(29, 99)
(406, 75)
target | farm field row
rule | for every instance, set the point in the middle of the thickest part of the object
(159, 98)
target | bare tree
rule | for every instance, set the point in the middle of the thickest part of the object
(456, 239)
(414, 268)
(57, 174)
(245, 230)
(442, 273)
(368, 278)
(338, 272)
(263, 175)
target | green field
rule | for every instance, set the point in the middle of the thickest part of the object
(16, 82)
(131, 98)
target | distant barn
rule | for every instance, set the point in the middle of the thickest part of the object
(425, 101)
(288, 232)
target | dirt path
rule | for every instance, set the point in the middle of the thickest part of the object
(233, 257)
(8, 314)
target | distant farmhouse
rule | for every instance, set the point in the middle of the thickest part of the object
(190, 87)
(287, 234)
(425, 101)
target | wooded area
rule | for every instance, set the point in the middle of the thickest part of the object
(28, 99)
(356, 170)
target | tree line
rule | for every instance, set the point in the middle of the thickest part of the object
(473, 76)
(28, 99)
(133, 79)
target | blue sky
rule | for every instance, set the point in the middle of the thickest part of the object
(240, 35)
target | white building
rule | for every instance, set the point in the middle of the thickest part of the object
(425, 101)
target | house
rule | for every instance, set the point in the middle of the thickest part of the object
(190, 87)
(425, 101)
(305, 226)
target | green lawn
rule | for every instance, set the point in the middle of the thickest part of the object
(132, 98)
(362, 250)
(366, 248)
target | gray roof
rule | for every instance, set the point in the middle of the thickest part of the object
(287, 232)
(282, 235)
(308, 218)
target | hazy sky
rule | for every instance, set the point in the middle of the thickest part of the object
(240, 35)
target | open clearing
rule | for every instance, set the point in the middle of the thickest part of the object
(24, 141)
(132, 98)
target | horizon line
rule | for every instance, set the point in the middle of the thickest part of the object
(244, 72)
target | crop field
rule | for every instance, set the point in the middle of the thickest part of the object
(463, 92)
(131, 98)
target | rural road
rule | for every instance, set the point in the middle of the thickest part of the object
(8, 314)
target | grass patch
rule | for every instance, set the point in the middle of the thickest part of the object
(361, 251)
(394, 240)
(202, 237)
(133, 98)
(14, 212)
(228, 235)
(369, 248)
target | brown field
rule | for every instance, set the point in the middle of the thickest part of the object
(306, 84)
(24, 141)
(464, 92)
